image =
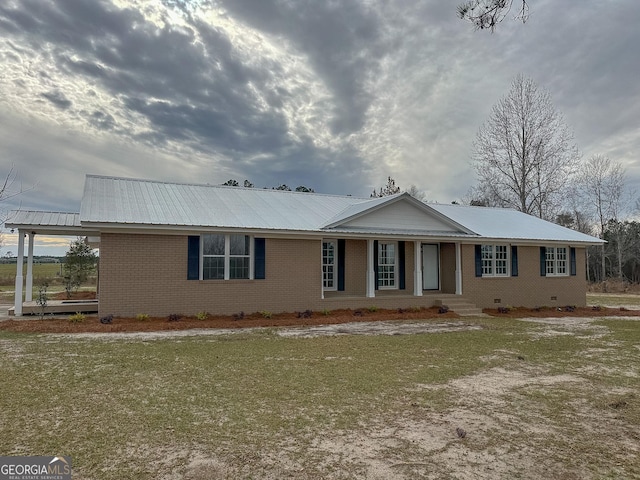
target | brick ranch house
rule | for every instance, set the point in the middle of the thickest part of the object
(185, 248)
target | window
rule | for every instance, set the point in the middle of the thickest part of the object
(226, 257)
(387, 265)
(556, 261)
(329, 264)
(495, 260)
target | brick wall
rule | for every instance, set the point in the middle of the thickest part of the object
(529, 288)
(148, 274)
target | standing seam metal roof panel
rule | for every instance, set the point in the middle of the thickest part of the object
(129, 201)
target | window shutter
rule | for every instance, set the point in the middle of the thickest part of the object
(514, 261)
(543, 261)
(341, 250)
(573, 260)
(478, 260)
(259, 270)
(401, 266)
(193, 257)
(375, 262)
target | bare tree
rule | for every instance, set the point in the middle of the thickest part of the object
(600, 188)
(486, 14)
(524, 155)
(389, 189)
(416, 193)
(7, 191)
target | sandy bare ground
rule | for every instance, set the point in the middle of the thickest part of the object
(493, 430)
(481, 437)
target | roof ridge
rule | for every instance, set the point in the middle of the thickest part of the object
(234, 187)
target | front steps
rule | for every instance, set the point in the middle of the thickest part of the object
(460, 305)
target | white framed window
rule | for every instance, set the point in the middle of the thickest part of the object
(387, 265)
(495, 260)
(556, 260)
(226, 257)
(329, 264)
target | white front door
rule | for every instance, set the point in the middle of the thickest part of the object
(430, 267)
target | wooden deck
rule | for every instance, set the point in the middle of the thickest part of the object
(58, 306)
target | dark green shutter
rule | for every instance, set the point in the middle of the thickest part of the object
(478, 260)
(193, 257)
(401, 266)
(259, 269)
(572, 259)
(514, 261)
(375, 262)
(543, 261)
(341, 250)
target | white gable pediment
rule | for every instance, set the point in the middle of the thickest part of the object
(402, 213)
(400, 216)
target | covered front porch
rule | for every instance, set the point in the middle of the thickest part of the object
(32, 223)
(388, 273)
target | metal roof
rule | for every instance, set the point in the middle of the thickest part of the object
(131, 203)
(123, 201)
(509, 224)
(55, 223)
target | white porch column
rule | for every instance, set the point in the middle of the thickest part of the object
(417, 268)
(29, 291)
(458, 269)
(19, 279)
(371, 275)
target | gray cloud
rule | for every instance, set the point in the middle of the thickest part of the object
(58, 99)
(332, 95)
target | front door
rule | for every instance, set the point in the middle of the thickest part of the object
(430, 267)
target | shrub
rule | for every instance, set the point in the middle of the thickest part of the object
(372, 308)
(107, 319)
(173, 317)
(326, 312)
(238, 316)
(443, 309)
(416, 308)
(77, 317)
(305, 314)
(266, 314)
(202, 315)
(142, 317)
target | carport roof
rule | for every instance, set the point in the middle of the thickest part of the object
(52, 223)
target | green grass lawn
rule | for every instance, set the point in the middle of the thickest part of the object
(613, 299)
(42, 272)
(256, 405)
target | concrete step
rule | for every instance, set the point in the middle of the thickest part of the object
(461, 306)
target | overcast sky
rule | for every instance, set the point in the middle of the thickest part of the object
(335, 95)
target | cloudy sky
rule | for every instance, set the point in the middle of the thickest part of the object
(335, 95)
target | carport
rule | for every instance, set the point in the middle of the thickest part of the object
(29, 224)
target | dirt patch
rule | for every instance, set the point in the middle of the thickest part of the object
(80, 295)
(92, 323)
(561, 312)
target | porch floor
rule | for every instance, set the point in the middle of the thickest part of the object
(58, 306)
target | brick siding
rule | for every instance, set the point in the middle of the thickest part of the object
(148, 274)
